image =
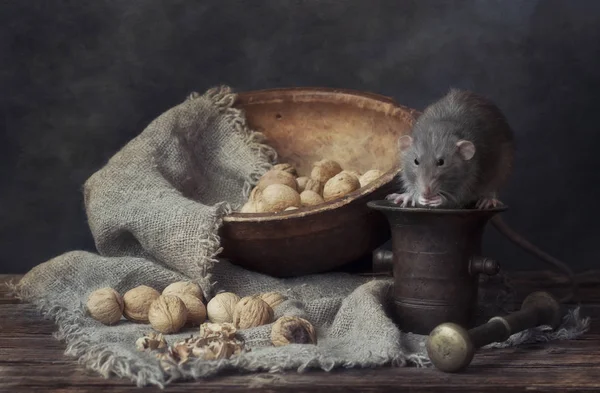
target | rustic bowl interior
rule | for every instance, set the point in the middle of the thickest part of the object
(358, 130)
(304, 125)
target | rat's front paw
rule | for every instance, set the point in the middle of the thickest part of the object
(403, 199)
(488, 203)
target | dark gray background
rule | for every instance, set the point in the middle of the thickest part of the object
(81, 78)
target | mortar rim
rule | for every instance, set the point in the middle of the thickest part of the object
(385, 205)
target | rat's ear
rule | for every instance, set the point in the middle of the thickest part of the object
(405, 142)
(466, 149)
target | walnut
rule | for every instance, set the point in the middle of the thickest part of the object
(324, 170)
(196, 311)
(310, 198)
(289, 168)
(369, 177)
(301, 181)
(167, 314)
(340, 185)
(252, 311)
(354, 173)
(276, 177)
(151, 341)
(105, 305)
(273, 299)
(137, 303)
(249, 207)
(220, 308)
(292, 330)
(277, 197)
(314, 185)
(184, 287)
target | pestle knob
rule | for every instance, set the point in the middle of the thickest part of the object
(451, 347)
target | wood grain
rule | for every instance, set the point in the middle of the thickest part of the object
(32, 360)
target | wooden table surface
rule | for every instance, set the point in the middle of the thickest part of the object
(31, 360)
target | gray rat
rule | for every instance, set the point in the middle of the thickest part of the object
(459, 154)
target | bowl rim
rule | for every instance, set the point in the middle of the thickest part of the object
(254, 96)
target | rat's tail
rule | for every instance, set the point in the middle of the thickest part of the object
(519, 240)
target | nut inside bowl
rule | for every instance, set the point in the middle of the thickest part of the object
(304, 125)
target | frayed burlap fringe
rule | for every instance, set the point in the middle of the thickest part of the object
(154, 211)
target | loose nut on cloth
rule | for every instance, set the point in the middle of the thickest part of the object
(252, 311)
(105, 305)
(196, 311)
(292, 330)
(184, 287)
(137, 303)
(167, 314)
(220, 308)
(273, 299)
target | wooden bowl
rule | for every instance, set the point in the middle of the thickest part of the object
(358, 130)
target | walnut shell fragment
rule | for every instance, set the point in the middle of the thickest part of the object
(167, 314)
(151, 341)
(137, 303)
(216, 341)
(105, 305)
(252, 311)
(292, 330)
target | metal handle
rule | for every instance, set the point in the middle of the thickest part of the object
(483, 265)
(383, 261)
(451, 347)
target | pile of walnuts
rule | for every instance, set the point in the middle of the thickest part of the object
(182, 304)
(281, 189)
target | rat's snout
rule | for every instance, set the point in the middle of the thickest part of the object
(428, 191)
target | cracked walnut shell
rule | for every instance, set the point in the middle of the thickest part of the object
(167, 314)
(137, 303)
(292, 330)
(252, 311)
(105, 305)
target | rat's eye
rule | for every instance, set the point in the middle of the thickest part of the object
(416, 162)
(440, 162)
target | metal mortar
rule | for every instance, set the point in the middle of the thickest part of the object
(435, 259)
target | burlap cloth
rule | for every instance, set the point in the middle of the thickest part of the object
(154, 211)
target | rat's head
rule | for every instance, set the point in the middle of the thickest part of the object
(436, 167)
